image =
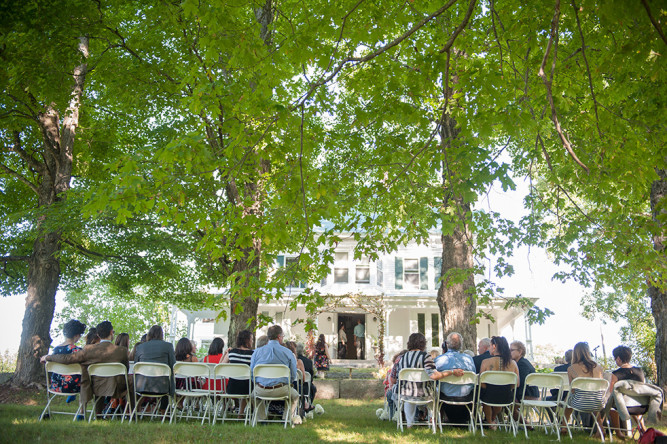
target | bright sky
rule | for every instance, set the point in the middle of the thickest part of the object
(532, 278)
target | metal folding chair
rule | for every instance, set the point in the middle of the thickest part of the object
(55, 368)
(224, 400)
(194, 402)
(108, 370)
(540, 408)
(272, 371)
(151, 370)
(468, 378)
(591, 392)
(417, 375)
(508, 379)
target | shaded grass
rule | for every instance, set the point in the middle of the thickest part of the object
(345, 420)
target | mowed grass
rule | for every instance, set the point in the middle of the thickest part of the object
(344, 420)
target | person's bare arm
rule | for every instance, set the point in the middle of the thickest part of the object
(443, 374)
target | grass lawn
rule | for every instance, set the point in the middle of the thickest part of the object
(344, 420)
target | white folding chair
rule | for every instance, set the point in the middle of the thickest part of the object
(541, 409)
(468, 378)
(55, 368)
(307, 381)
(108, 370)
(272, 371)
(508, 379)
(151, 370)
(590, 394)
(419, 376)
(224, 400)
(191, 398)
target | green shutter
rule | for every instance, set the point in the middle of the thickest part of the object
(423, 273)
(398, 281)
(281, 260)
(437, 265)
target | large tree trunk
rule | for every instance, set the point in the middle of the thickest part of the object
(54, 176)
(456, 295)
(243, 308)
(658, 295)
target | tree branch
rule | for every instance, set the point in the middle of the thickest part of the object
(448, 45)
(24, 155)
(547, 84)
(588, 68)
(14, 258)
(20, 177)
(656, 25)
(90, 252)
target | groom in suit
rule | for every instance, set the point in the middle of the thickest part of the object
(104, 351)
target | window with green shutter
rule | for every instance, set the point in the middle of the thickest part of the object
(398, 268)
(435, 330)
(437, 268)
(421, 323)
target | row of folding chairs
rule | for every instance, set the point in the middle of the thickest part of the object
(188, 402)
(541, 413)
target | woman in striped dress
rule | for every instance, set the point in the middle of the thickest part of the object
(583, 366)
(241, 354)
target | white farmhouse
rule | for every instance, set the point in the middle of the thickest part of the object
(396, 293)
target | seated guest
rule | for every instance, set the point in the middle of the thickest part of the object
(518, 352)
(123, 340)
(155, 349)
(275, 353)
(92, 337)
(104, 351)
(214, 356)
(583, 366)
(299, 366)
(415, 357)
(308, 366)
(389, 386)
(134, 349)
(483, 349)
(241, 354)
(262, 341)
(72, 331)
(183, 353)
(452, 359)
(500, 360)
(561, 368)
(625, 371)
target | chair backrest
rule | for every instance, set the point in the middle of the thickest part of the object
(590, 384)
(565, 378)
(307, 378)
(544, 381)
(107, 369)
(498, 378)
(236, 371)
(272, 371)
(152, 369)
(191, 370)
(413, 375)
(63, 369)
(467, 379)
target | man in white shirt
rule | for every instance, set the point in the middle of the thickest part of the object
(342, 341)
(359, 338)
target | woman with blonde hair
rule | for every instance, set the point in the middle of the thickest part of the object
(583, 366)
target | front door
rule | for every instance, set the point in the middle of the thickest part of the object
(348, 321)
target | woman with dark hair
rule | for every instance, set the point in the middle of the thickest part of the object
(72, 331)
(500, 360)
(322, 358)
(123, 340)
(214, 357)
(134, 349)
(241, 354)
(625, 371)
(92, 337)
(416, 357)
(184, 353)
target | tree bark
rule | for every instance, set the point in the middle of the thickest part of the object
(657, 294)
(456, 296)
(54, 176)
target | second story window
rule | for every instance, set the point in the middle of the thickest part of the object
(362, 274)
(411, 273)
(341, 268)
(292, 262)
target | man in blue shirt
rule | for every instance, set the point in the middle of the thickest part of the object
(275, 353)
(359, 338)
(451, 360)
